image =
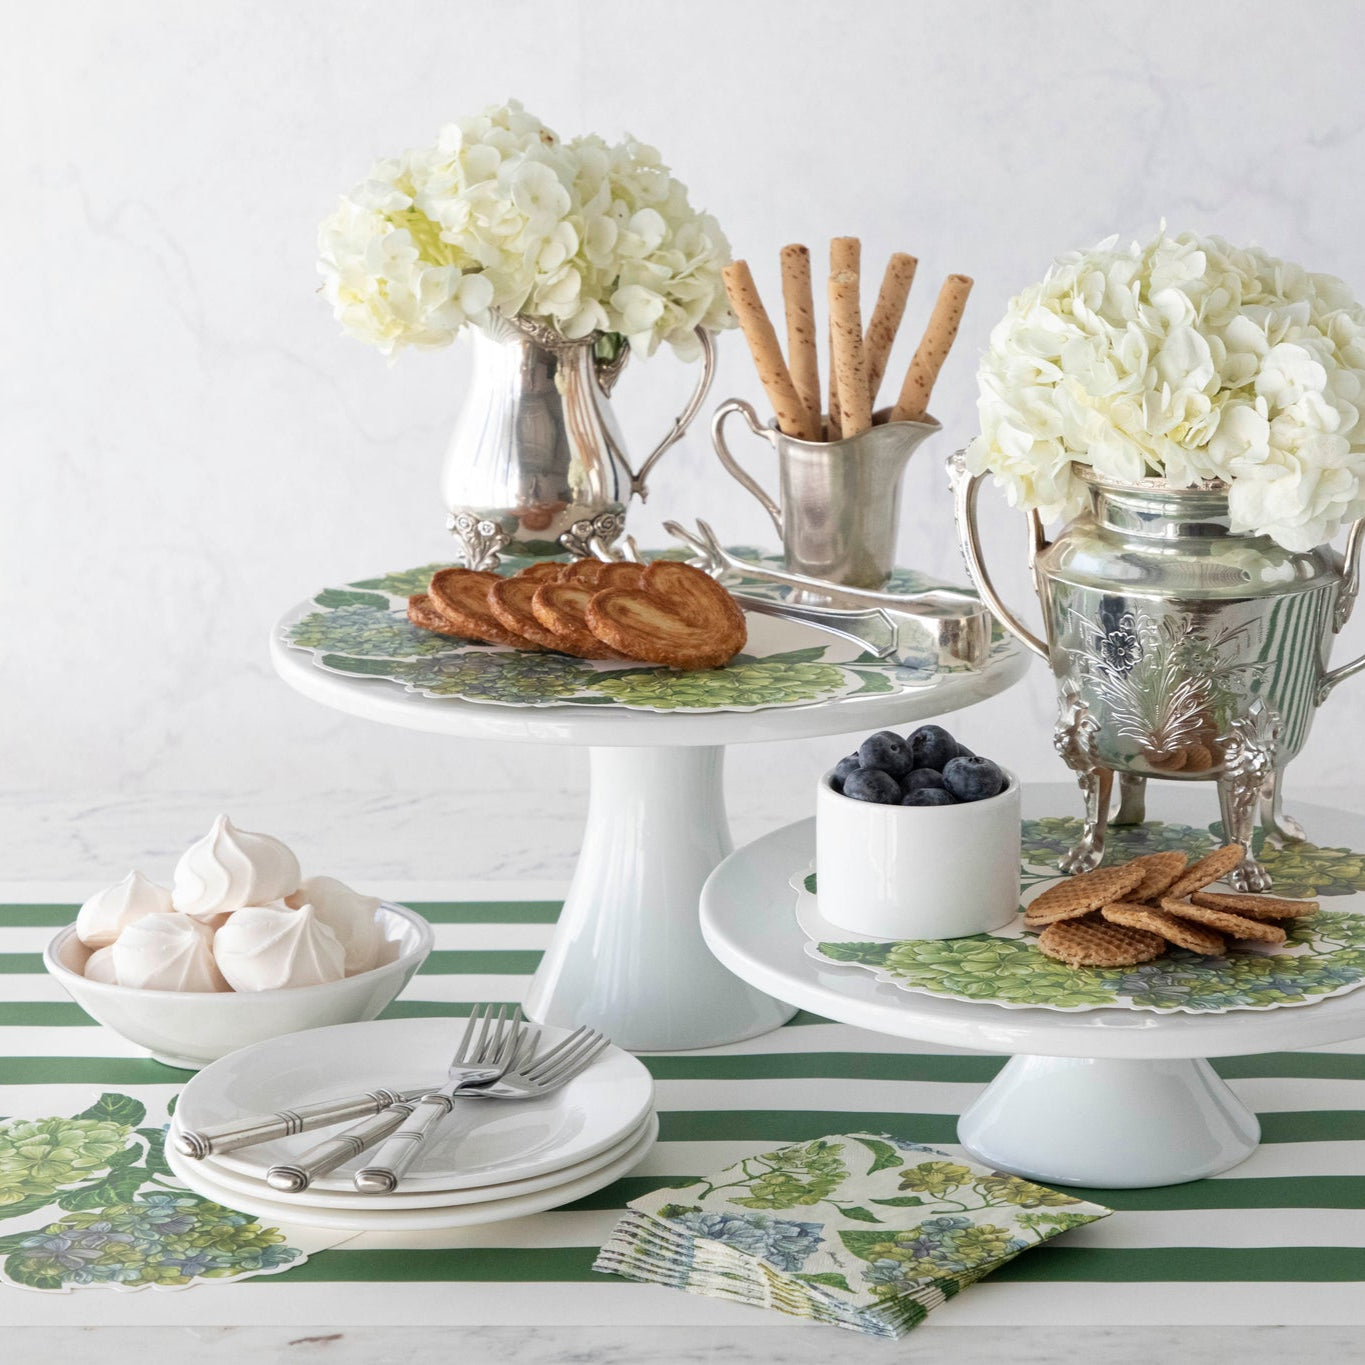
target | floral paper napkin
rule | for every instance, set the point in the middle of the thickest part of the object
(861, 1230)
(88, 1202)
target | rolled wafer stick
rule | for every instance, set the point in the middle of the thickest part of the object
(790, 411)
(886, 318)
(913, 403)
(845, 253)
(802, 359)
(850, 364)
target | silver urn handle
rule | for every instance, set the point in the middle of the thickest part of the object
(1346, 600)
(966, 489)
(682, 421)
(728, 409)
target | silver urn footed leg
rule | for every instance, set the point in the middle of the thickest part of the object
(1132, 800)
(1279, 829)
(1074, 740)
(1248, 765)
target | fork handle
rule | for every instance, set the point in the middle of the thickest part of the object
(403, 1146)
(294, 1176)
(247, 1132)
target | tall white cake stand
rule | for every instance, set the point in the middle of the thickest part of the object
(627, 956)
(1107, 1098)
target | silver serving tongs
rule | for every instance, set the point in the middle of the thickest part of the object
(937, 627)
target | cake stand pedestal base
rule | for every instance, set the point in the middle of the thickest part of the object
(1111, 1124)
(627, 956)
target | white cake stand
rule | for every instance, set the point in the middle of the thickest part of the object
(628, 956)
(1106, 1098)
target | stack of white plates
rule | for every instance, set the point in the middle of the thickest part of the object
(488, 1160)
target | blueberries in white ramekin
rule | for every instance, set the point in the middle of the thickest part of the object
(928, 767)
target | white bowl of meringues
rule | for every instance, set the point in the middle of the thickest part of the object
(240, 948)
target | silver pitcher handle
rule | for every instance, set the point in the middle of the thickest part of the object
(726, 409)
(966, 488)
(682, 421)
(1346, 600)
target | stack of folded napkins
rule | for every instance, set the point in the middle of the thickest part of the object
(862, 1230)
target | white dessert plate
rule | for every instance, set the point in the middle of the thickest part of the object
(482, 1143)
(403, 1198)
(284, 1210)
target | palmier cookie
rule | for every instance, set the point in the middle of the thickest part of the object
(1079, 895)
(1159, 871)
(1178, 931)
(599, 573)
(509, 599)
(422, 614)
(461, 596)
(1235, 926)
(679, 617)
(561, 608)
(1255, 907)
(1096, 943)
(544, 571)
(1209, 869)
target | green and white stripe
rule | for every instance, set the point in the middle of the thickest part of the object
(1279, 1239)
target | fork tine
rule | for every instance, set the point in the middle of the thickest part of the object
(551, 1053)
(580, 1062)
(569, 1062)
(509, 1040)
(526, 1051)
(492, 1023)
(462, 1052)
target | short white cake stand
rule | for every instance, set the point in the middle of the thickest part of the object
(627, 956)
(1106, 1098)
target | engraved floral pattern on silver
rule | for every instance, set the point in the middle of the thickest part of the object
(480, 538)
(603, 528)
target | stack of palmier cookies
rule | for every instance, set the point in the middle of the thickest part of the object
(663, 613)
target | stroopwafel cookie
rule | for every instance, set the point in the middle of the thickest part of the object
(1079, 895)
(1251, 906)
(1096, 943)
(1159, 872)
(1182, 933)
(1235, 926)
(1209, 869)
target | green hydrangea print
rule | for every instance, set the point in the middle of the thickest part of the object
(363, 632)
(41, 1156)
(771, 682)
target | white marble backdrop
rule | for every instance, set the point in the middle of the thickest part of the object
(189, 446)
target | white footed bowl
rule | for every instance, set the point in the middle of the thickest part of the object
(190, 1029)
(918, 872)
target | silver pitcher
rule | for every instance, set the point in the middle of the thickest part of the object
(536, 464)
(838, 506)
(1180, 649)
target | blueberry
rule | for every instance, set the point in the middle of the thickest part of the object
(921, 779)
(887, 751)
(931, 746)
(929, 796)
(842, 769)
(871, 784)
(973, 779)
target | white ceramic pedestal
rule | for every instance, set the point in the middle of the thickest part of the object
(628, 956)
(1105, 1098)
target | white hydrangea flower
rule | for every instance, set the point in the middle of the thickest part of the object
(499, 214)
(1186, 359)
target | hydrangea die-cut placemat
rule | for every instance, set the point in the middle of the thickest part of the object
(87, 1201)
(862, 1230)
(362, 630)
(1323, 956)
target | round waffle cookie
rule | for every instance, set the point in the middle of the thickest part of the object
(1178, 931)
(1159, 872)
(1096, 943)
(562, 609)
(1207, 870)
(1079, 895)
(509, 599)
(1255, 907)
(461, 596)
(423, 614)
(1235, 926)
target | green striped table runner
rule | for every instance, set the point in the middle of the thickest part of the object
(1279, 1239)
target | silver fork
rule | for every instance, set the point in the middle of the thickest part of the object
(480, 1059)
(528, 1078)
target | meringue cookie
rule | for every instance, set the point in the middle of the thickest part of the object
(349, 915)
(99, 966)
(229, 868)
(167, 952)
(266, 947)
(109, 912)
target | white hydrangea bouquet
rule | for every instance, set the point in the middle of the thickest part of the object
(1188, 360)
(500, 215)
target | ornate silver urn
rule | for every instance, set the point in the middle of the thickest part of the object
(536, 464)
(1180, 649)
